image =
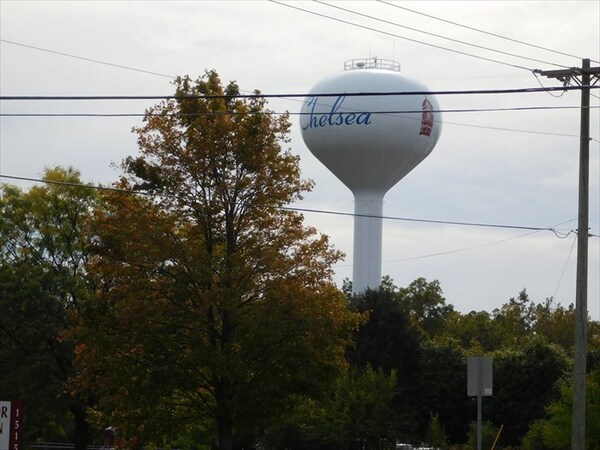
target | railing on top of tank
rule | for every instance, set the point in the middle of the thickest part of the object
(372, 63)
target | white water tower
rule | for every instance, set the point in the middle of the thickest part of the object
(370, 142)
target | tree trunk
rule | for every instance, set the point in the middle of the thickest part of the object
(225, 433)
(224, 419)
(82, 426)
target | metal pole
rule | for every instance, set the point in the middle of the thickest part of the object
(479, 401)
(581, 311)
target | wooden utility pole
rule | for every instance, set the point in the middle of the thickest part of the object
(581, 311)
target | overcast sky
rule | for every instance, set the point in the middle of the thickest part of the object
(507, 168)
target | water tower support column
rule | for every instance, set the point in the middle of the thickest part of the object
(366, 272)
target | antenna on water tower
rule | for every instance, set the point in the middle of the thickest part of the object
(370, 142)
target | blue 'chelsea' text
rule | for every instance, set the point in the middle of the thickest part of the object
(332, 117)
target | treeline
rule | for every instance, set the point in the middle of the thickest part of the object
(414, 332)
(188, 308)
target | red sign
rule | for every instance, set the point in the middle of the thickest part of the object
(11, 425)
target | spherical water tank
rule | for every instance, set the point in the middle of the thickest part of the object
(370, 142)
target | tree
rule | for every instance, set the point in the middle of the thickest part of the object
(436, 435)
(526, 380)
(555, 428)
(389, 341)
(43, 281)
(443, 380)
(488, 435)
(475, 331)
(556, 323)
(216, 302)
(521, 317)
(426, 305)
(514, 320)
(360, 414)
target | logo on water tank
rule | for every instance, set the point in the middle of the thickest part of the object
(332, 117)
(427, 118)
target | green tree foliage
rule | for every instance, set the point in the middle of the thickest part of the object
(389, 341)
(593, 346)
(443, 380)
(512, 324)
(436, 434)
(360, 415)
(475, 331)
(216, 303)
(534, 439)
(43, 239)
(488, 435)
(554, 432)
(514, 321)
(426, 305)
(529, 344)
(556, 323)
(518, 319)
(526, 380)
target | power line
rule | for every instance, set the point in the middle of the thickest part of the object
(290, 95)
(439, 35)
(289, 208)
(542, 85)
(482, 31)
(173, 76)
(562, 89)
(97, 61)
(78, 185)
(516, 66)
(246, 113)
(448, 252)
(148, 71)
(215, 113)
(463, 249)
(515, 130)
(530, 90)
(118, 115)
(565, 267)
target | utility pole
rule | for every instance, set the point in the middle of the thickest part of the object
(581, 311)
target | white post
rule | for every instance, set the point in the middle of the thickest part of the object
(366, 272)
